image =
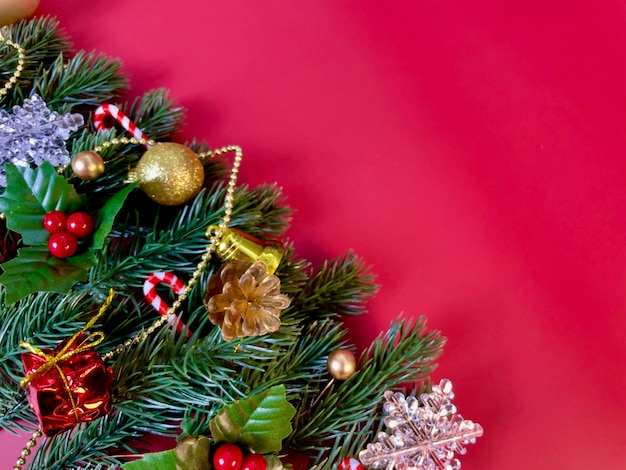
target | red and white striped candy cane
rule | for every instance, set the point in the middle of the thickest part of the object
(349, 463)
(124, 121)
(149, 291)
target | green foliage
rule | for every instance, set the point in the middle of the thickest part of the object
(35, 270)
(166, 379)
(258, 423)
(105, 217)
(165, 460)
(30, 194)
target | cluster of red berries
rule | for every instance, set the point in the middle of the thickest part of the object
(66, 230)
(229, 457)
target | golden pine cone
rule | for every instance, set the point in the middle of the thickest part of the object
(245, 300)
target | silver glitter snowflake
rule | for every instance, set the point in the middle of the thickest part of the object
(422, 433)
(33, 134)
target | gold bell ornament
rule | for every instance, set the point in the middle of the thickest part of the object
(235, 245)
(170, 174)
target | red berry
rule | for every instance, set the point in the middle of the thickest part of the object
(80, 224)
(62, 244)
(54, 221)
(227, 457)
(254, 462)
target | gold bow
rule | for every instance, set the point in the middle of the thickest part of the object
(53, 360)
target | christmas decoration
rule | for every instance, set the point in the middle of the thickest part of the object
(227, 457)
(259, 422)
(253, 373)
(250, 301)
(150, 293)
(21, 56)
(13, 10)
(254, 462)
(424, 433)
(341, 364)
(192, 452)
(80, 224)
(30, 195)
(113, 111)
(88, 165)
(33, 134)
(70, 384)
(62, 244)
(349, 463)
(170, 174)
(55, 221)
(236, 245)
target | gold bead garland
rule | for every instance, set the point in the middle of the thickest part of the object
(21, 460)
(21, 59)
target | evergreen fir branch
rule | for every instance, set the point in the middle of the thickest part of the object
(155, 114)
(80, 83)
(43, 42)
(404, 353)
(340, 287)
(15, 413)
(292, 271)
(183, 240)
(88, 444)
(348, 445)
(214, 168)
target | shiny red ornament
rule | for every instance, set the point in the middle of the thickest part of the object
(349, 463)
(85, 377)
(228, 457)
(254, 462)
(54, 221)
(62, 244)
(80, 224)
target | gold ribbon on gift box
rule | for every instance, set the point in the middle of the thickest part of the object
(53, 360)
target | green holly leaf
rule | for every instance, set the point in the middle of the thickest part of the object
(30, 194)
(259, 422)
(35, 269)
(165, 460)
(105, 216)
(192, 453)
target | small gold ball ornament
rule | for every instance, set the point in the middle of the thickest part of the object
(14, 10)
(88, 165)
(170, 174)
(341, 364)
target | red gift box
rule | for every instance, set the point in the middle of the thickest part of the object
(81, 394)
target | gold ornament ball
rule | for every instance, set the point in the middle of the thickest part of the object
(88, 165)
(14, 10)
(170, 174)
(341, 364)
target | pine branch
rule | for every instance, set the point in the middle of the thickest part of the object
(340, 287)
(80, 83)
(43, 41)
(404, 354)
(155, 114)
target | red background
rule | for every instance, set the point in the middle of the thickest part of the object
(471, 152)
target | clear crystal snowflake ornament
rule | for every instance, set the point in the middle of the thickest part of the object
(422, 433)
(33, 134)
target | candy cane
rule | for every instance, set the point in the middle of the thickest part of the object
(149, 291)
(350, 463)
(113, 111)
